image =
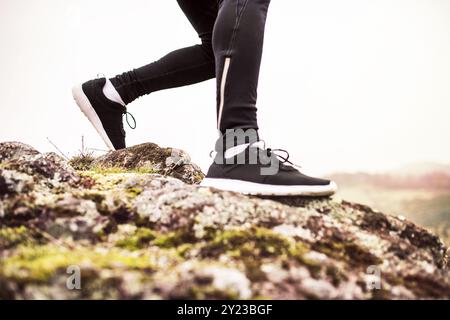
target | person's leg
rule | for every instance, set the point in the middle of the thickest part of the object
(242, 162)
(179, 68)
(238, 43)
(104, 101)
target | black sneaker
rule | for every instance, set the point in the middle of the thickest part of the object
(104, 114)
(270, 175)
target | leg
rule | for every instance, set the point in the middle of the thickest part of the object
(103, 102)
(179, 68)
(238, 43)
(243, 163)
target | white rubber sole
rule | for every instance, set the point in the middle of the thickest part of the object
(85, 106)
(252, 188)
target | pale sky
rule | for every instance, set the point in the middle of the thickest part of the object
(345, 85)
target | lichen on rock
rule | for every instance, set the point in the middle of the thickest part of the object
(150, 158)
(138, 226)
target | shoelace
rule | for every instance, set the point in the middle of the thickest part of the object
(283, 159)
(271, 152)
(126, 113)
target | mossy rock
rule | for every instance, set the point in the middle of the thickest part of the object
(40, 263)
(12, 237)
(150, 158)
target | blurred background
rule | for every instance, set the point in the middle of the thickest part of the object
(354, 89)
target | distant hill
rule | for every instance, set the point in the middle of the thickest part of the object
(419, 176)
(418, 191)
(421, 168)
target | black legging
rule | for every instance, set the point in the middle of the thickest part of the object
(232, 35)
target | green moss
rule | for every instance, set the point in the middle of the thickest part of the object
(105, 179)
(252, 246)
(174, 239)
(40, 263)
(331, 249)
(134, 191)
(11, 237)
(256, 242)
(183, 250)
(347, 251)
(140, 239)
(117, 170)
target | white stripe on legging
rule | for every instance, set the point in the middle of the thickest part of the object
(223, 82)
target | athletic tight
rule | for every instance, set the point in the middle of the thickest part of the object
(232, 36)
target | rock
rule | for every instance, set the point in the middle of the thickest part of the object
(24, 159)
(15, 150)
(149, 157)
(139, 230)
